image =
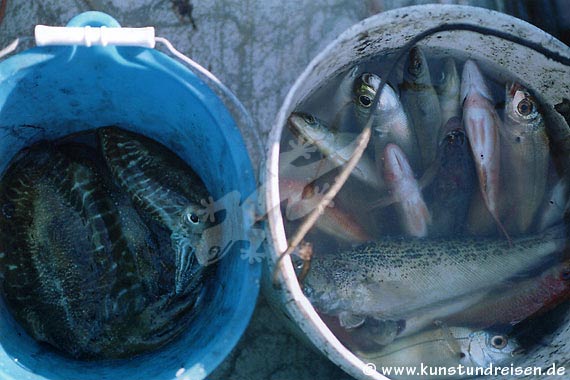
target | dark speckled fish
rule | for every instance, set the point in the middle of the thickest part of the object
(161, 184)
(81, 270)
(449, 194)
(393, 278)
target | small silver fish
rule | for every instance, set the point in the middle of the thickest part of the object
(525, 157)
(393, 278)
(482, 125)
(446, 347)
(406, 193)
(303, 198)
(422, 104)
(448, 90)
(342, 100)
(336, 147)
(390, 123)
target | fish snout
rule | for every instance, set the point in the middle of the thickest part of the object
(472, 81)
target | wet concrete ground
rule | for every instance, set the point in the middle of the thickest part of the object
(257, 48)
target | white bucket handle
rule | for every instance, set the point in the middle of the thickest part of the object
(94, 36)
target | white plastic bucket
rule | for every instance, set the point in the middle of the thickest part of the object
(382, 34)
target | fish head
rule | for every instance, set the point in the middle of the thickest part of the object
(521, 108)
(452, 134)
(447, 79)
(308, 127)
(365, 89)
(188, 240)
(472, 81)
(487, 347)
(416, 68)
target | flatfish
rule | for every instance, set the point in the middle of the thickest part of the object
(81, 270)
(162, 185)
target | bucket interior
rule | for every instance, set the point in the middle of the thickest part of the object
(382, 36)
(48, 93)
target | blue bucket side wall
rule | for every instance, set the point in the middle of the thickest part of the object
(70, 90)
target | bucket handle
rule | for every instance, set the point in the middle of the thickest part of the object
(94, 36)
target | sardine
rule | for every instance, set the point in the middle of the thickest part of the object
(448, 89)
(160, 183)
(393, 278)
(446, 347)
(336, 147)
(390, 123)
(422, 104)
(449, 194)
(525, 157)
(302, 199)
(406, 193)
(482, 125)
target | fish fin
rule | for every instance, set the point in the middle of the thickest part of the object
(448, 337)
(350, 321)
(429, 174)
(383, 202)
(383, 332)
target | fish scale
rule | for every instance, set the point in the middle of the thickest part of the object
(60, 290)
(161, 184)
(391, 278)
(83, 189)
(165, 192)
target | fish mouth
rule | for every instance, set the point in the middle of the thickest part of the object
(472, 81)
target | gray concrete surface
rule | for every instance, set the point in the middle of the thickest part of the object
(257, 48)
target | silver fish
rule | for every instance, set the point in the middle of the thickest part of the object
(422, 104)
(302, 198)
(525, 157)
(448, 90)
(336, 147)
(446, 347)
(406, 193)
(482, 125)
(390, 123)
(393, 278)
(342, 100)
(160, 183)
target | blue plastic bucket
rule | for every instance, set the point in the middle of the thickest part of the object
(50, 92)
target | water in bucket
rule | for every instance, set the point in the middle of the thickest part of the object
(446, 246)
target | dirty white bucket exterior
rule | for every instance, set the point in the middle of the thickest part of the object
(375, 36)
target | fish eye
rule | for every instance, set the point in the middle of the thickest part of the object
(309, 119)
(525, 107)
(365, 101)
(193, 218)
(499, 341)
(565, 275)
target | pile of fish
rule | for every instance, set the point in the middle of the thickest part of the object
(452, 204)
(100, 246)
